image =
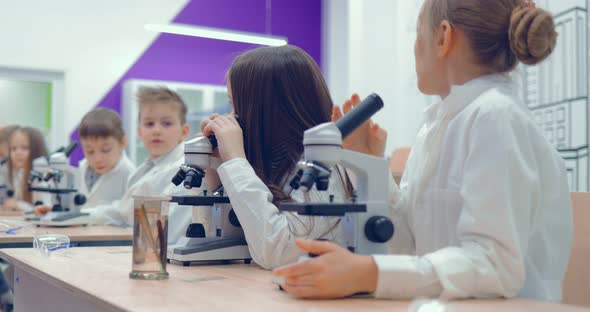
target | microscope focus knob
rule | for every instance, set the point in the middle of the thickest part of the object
(195, 230)
(379, 229)
(9, 193)
(322, 184)
(79, 199)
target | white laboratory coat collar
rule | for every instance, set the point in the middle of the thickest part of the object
(461, 96)
(123, 161)
(171, 157)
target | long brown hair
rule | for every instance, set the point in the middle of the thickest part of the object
(501, 32)
(278, 93)
(37, 149)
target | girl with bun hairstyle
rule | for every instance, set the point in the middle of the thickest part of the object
(483, 209)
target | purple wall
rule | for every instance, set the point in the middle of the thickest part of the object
(198, 60)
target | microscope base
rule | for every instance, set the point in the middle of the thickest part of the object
(63, 219)
(210, 250)
(31, 216)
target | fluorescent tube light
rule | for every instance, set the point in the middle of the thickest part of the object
(217, 33)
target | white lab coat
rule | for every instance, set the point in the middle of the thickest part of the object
(155, 181)
(269, 232)
(109, 187)
(4, 173)
(36, 197)
(484, 207)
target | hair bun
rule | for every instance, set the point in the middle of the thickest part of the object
(532, 34)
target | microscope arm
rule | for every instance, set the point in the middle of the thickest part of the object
(211, 176)
(364, 166)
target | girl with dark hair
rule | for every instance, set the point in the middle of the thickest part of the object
(278, 93)
(25, 145)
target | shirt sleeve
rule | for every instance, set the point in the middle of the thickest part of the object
(497, 189)
(269, 232)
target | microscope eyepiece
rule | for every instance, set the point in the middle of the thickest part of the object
(70, 148)
(213, 140)
(359, 114)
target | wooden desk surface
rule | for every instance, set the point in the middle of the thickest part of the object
(76, 233)
(100, 275)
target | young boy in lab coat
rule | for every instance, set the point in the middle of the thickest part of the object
(162, 129)
(105, 168)
(483, 209)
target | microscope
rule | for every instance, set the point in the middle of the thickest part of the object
(365, 217)
(227, 242)
(60, 179)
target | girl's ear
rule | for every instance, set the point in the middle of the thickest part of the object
(185, 131)
(445, 39)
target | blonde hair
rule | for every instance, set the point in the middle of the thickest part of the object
(161, 95)
(501, 32)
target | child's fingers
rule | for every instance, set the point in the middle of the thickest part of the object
(210, 128)
(336, 113)
(301, 280)
(300, 291)
(232, 119)
(347, 106)
(355, 99)
(316, 246)
(378, 132)
(297, 269)
(206, 121)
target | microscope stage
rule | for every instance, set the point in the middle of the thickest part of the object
(61, 219)
(323, 209)
(199, 200)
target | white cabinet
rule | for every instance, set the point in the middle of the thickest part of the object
(556, 91)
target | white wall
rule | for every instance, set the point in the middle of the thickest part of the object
(368, 47)
(92, 42)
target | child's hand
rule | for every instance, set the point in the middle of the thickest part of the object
(369, 138)
(229, 136)
(205, 122)
(335, 273)
(10, 204)
(41, 210)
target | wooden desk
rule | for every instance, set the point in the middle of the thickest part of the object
(92, 235)
(96, 279)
